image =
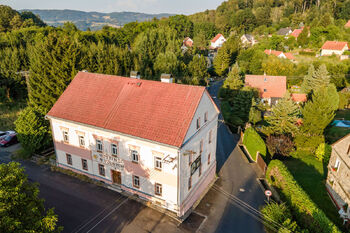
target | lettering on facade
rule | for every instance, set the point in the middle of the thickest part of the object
(108, 160)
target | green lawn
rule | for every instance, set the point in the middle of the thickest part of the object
(8, 114)
(310, 175)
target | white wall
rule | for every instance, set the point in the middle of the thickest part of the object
(218, 43)
(193, 139)
(146, 157)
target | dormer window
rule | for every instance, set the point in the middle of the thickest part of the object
(265, 90)
(265, 79)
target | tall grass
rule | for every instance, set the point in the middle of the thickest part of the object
(8, 114)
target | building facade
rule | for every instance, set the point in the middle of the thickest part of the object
(151, 139)
(217, 41)
(338, 184)
(334, 48)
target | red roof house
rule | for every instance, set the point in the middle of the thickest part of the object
(268, 86)
(296, 32)
(217, 41)
(347, 25)
(279, 54)
(188, 42)
(146, 109)
(334, 47)
(299, 97)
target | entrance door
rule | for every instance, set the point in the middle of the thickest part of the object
(116, 177)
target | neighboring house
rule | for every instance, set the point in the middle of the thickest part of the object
(280, 54)
(152, 139)
(188, 42)
(299, 97)
(347, 25)
(167, 78)
(271, 88)
(217, 41)
(334, 47)
(284, 31)
(296, 33)
(248, 39)
(338, 183)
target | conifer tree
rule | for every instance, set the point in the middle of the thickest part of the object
(54, 62)
(198, 70)
(234, 79)
(317, 113)
(284, 116)
(315, 79)
(222, 61)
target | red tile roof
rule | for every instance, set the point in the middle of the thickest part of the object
(152, 110)
(347, 25)
(269, 86)
(216, 38)
(299, 97)
(289, 56)
(334, 45)
(188, 42)
(296, 32)
(278, 53)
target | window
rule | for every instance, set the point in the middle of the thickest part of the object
(158, 163)
(189, 183)
(198, 122)
(114, 149)
(265, 79)
(200, 170)
(84, 164)
(135, 156)
(209, 139)
(205, 117)
(65, 136)
(348, 150)
(81, 141)
(189, 159)
(196, 164)
(201, 147)
(265, 90)
(101, 170)
(209, 158)
(158, 189)
(136, 181)
(69, 159)
(99, 145)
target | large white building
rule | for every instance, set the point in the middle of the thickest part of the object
(156, 140)
(334, 48)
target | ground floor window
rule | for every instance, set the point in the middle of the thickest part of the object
(136, 181)
(158, 189)
(84, 164)
(101, 170)
(69, 159)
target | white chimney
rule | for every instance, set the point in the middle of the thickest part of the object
(166, 78)
(135, 74)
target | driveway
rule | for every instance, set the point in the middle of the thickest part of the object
(84, 207)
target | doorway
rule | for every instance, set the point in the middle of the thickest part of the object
(116, 177)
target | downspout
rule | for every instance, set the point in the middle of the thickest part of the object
(178, 182)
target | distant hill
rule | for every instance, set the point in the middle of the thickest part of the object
(93, 20)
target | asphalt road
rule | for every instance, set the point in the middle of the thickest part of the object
(84, 207)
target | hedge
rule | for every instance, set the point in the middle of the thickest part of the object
(254, 143)
(306, 212)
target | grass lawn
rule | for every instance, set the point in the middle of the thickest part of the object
(310, 175)
(8, 114)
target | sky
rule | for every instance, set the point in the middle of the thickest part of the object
(144, 6)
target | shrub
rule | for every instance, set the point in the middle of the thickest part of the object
(254, 143)
(279, 145)
(306, 212)
(280, 214)
(33, 130)
(308, 143)
(323, 152)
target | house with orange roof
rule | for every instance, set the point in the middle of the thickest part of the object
(279, 54)
(271, 88)
(154, 140)
(217, 41)
(334, 47)
(188, 42)
(299, 97)
(296, 33)
(347, 25)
